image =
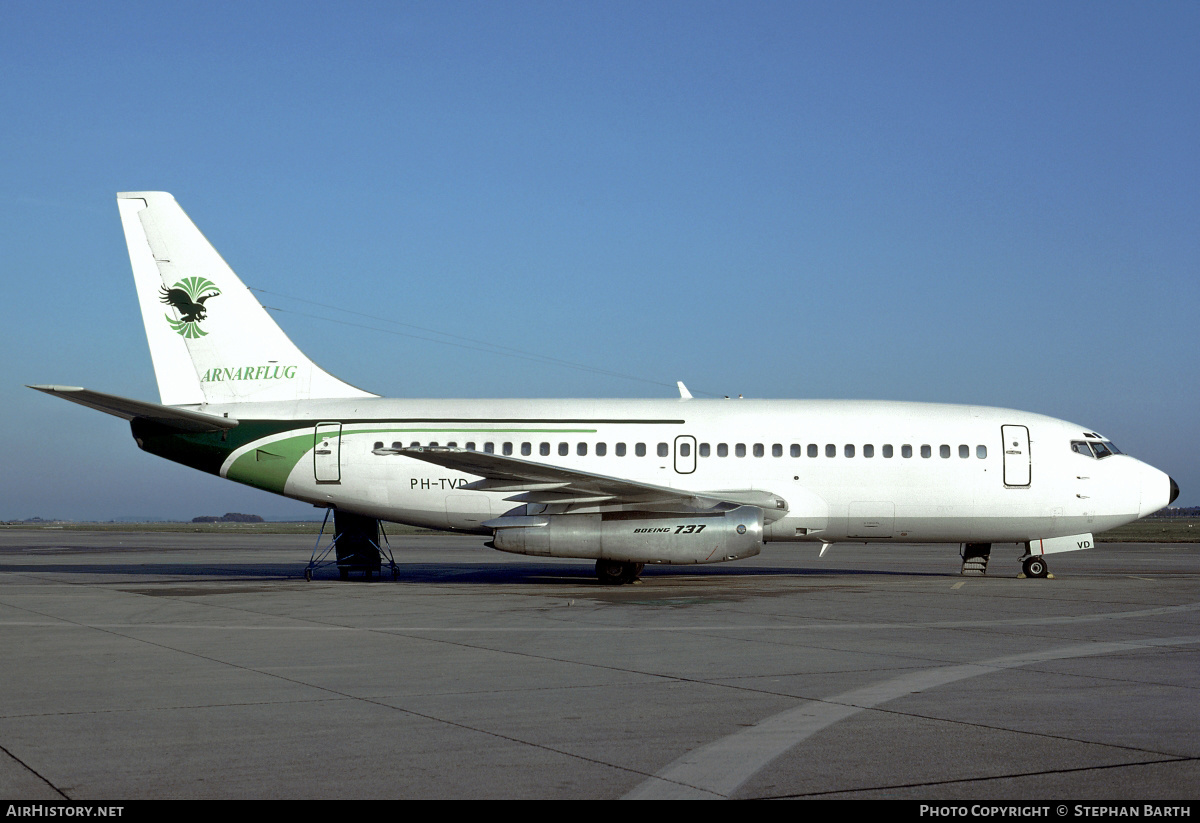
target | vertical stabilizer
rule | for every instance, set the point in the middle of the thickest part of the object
(210, 339)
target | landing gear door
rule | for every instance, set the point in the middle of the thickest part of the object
(685, 454)
(1016, 456)
(327, 453)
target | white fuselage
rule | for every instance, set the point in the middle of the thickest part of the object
(848, 470)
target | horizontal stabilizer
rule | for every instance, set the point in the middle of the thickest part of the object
(184, 419)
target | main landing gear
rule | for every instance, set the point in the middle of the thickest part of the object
(617, 572)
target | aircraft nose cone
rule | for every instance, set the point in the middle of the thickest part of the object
(1174, 490)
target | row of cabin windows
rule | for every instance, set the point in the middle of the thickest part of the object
(704, 450)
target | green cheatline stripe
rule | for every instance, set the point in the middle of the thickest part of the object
(310, 421)
(267, 465)
(467, 431)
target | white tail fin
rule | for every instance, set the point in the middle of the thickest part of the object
(210, 339)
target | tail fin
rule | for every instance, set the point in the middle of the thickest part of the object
(210, 339)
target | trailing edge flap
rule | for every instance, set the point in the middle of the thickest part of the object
(540, 483)
(183, 419)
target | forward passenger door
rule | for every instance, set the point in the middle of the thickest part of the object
(1017, 467)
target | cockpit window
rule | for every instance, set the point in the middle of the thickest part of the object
(1102, 449)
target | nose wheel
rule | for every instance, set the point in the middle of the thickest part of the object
(1034, 566)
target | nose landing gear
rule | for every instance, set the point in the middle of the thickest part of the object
(1034, 566)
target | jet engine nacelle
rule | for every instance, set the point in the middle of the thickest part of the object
(638, 537)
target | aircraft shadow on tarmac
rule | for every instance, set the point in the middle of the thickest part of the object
(578, 574)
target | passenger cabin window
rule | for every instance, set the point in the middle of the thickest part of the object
(581, 449)
(797, 450)
(663, 449)
(620, 450)
(470, 446)
(849, 450)
(964, 451)
(944, 450)
(489, 448)
(926, 451)
(601, 449)
(544, 449)
(812, 449)
(906, 450)
(563, 449)
(508, 448)
(777, 450)
(722, 450)
(640, 449)
(758, 450)
(685, 449)
(887, 450)
(981, 452)
(704, 450)
(740, 449)
(526, 449)
(830, 450)
(868, 450)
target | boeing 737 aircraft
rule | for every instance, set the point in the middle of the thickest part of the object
(623, 482)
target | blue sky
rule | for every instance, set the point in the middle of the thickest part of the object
(991, 203)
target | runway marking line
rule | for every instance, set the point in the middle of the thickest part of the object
(716, 770)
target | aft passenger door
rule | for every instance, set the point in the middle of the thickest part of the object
(327, 453)
(1016, 456)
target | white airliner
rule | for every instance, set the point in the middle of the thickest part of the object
(624, 482)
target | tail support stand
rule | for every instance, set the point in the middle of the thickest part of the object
(355, 546)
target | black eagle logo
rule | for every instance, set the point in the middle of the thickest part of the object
(189, 311)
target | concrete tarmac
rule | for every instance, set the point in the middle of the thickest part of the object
(144, 665)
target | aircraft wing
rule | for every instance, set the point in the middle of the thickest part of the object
(533, 482)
